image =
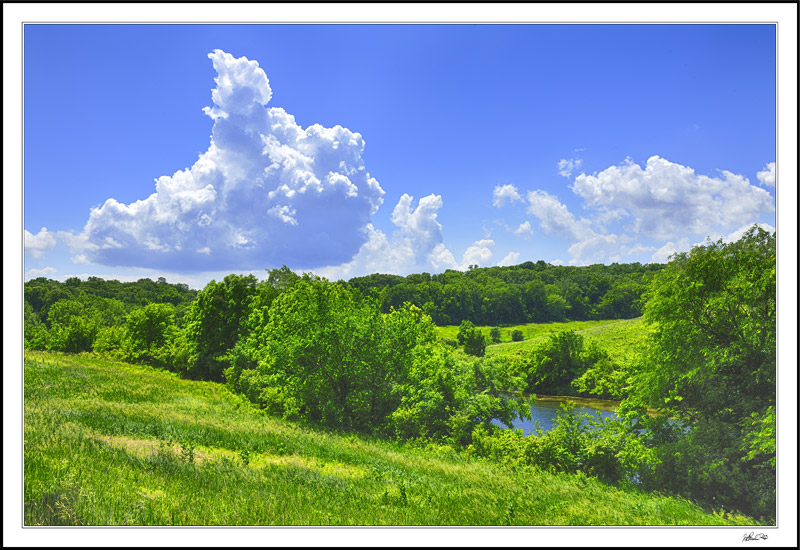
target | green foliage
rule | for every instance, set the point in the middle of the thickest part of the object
(215, 322)
(465, 328)
(324, 353)
(472, 339)
(475, 343)
(494, 334)
(37, 337)
(187, 451)
(554, 364)
(151, 337)
(110, 341)
(710, 362)
(603, 378)
(578, 443)
(517, 294)
(517, 336)
(71, 327)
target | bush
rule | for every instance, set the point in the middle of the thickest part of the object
(110, 342)
(475, 343)
(494, 334)
(463, 330)
(516, 335)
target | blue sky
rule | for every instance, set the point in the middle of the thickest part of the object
(437, 146)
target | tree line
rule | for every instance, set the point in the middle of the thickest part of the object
(526, 293)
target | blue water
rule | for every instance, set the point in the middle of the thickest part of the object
(545, 412)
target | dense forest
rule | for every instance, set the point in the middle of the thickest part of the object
(363, 356)
(528, 292)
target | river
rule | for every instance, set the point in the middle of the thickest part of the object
(545, 409)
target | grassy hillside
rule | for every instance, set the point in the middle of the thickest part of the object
(108, 443)
(619, 337)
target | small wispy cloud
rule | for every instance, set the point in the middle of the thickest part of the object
(505, 193)
(567, 166)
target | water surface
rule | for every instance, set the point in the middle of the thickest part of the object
(545, 409)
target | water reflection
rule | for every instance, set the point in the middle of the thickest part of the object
(545, 410)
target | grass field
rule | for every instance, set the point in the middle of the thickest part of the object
(619, 337)
(107, 443)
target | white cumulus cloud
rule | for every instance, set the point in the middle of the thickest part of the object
(266, 192)
(415, 246)
(665, 198)
(512, 258)
(651, 211)
(767, 175)
(736, 235)
(505, 193)
(39, 244)
(479, 253)
(555, 218)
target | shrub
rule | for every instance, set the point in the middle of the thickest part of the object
(494, 334)
(475, 343)
(516, 335)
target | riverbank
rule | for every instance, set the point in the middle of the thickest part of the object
(590, 402)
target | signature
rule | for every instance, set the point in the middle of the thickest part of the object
(757, 536)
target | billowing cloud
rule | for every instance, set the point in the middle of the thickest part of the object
(266, 192)
(415, 246)
(664, 198)
(767, 175)
(554, 216)
(479, 253)
(632, 210)
(505, 193)
(512, 258)
(567, 166)
(39, 244)
(418, 226)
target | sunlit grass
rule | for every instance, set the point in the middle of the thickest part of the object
(108, 443)
(619, 337)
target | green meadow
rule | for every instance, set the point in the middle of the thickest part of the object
(109, 443)
(619, 337)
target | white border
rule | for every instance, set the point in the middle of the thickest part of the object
(784, 14)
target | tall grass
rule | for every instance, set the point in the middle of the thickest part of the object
(107, 443)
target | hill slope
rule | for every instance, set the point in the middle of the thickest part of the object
(108, 443)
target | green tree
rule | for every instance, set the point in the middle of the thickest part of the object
(710, 363)
(72, 327)
(475, 343)
(494, 334)
(148, 329)
(322, 353)
(463, 329)
(215, 322)
(554, 364)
